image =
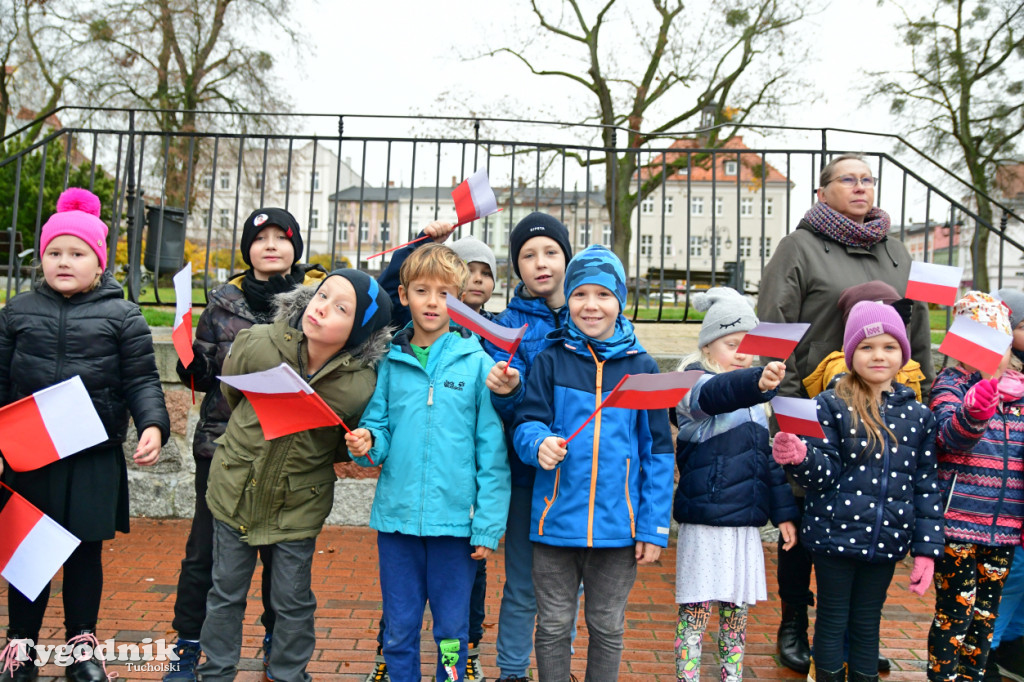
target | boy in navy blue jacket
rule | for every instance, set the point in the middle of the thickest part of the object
(603, 503)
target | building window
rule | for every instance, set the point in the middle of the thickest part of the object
(583, 235)
(344, 231)
(606, 235)
(258, 181)
(747, 206)
(385, 231)
(697, 206)
(316, 181)
(207, 180)
(225, 180)
(506, 231)
(718, 246)
(225, 219)
(647, 245)
(647, 206)
(746, 247)
(695, 247)
(730, 168)
(669, 205)
(666, 246)
(364, 232)
(314, 219)
(719, 206)
(766, 247)
(769, 207)
(282, 182)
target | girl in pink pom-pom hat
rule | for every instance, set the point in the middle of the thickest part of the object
(76, 322)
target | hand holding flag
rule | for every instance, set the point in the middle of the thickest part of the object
(773, 339)
(284, 403)
(551, 452)
(474, 198)
(933, 283)
(35, 431)
(798, 415)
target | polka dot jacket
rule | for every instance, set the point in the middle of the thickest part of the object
(878, 503)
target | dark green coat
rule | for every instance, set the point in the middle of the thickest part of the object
(281, 490)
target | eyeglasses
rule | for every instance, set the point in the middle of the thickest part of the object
(852, 181)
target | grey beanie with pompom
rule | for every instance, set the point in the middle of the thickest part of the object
(726, 311)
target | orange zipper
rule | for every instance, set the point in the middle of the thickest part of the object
(548, 503)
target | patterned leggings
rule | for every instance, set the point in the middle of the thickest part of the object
(732, 635)
(968, 583)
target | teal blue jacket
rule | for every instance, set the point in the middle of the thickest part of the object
(439, 443)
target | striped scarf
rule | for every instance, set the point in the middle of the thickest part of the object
(834, 225)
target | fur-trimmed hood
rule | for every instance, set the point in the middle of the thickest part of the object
(290, 305)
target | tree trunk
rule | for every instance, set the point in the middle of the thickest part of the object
(979, 244)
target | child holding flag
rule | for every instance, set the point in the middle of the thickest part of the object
(271, 244)
(278, 492)
(602, 503)
(729, 485)
(981, 472)
(872, 492)
(442, 496)
(76, 322)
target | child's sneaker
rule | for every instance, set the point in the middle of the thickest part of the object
(473, 671)
(268, 640)
(380, 669)
(184, 669)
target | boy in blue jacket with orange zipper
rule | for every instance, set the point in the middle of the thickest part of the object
(601, 504)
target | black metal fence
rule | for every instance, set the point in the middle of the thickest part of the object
(166, 194)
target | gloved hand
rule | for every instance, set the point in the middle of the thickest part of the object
(982, 398)
(788, 449)
(922, 573)
(279, 284)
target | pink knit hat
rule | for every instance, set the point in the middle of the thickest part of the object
(868, 319)
(78, 214)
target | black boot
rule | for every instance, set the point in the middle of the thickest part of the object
(884, 664)
(794, 649)
(1011, 659)
(87, 668)
(861, 677)
(12, 660)
(838, 676)
(992, 673)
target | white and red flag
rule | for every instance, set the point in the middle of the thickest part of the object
(505, 338)
(49, 425)
(32, 546)
(797, 415)
(934, 283)
(646, 392)
(975, 344)
(773, 339)
(474, 198)
(284, 403)
(181, 333)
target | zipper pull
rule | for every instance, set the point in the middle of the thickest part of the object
(430, 394)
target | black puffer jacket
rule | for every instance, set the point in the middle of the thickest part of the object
(46, 338)
(226, 314)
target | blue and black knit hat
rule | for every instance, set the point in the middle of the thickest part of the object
(373, 305)
(597, 265)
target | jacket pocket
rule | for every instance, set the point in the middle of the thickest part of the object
(229, 485)
(308, 499)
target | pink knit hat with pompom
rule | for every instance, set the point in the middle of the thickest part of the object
(78, 214)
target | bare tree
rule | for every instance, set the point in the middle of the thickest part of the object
(723, 61)
(964, 94)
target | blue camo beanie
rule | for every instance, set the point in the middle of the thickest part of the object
(373, 305)
(596, 264)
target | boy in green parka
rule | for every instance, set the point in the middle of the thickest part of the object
(279, 492)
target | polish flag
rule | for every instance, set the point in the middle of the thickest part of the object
(646, 392)
(474, 198)
(181, 333)
(51, 424)
(797, 415)
(773, 339)
(975, 344)
(933, 283)
(505, 338)
(284, 403)
(32, 547)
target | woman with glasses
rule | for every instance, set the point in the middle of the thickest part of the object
(842, 241)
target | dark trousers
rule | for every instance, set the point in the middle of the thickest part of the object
(794, 571)
(851, 594)
(81, 592)
(968, 585)
(196, 577)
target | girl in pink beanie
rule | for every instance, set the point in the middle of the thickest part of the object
(872, 492)
(76, 322)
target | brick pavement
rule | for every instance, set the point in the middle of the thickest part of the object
(142, 569)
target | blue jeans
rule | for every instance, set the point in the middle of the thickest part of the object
(518, 613)
(413, 571)
(1010, 621)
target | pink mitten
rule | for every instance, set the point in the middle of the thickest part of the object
(921, 574)
(788, 449)
(982, 398)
